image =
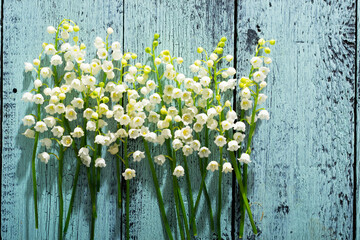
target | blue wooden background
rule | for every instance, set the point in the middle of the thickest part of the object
(303, 182)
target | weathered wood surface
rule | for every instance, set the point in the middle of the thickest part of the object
(302, 175)
(25, 25)
(357, 134)
(183, 26)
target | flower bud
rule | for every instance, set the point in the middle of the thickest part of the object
(62, 96)
(133, 56)
(218, 97)
(147, 69)
(224, 75)
(263, 84)
(66, 26)
(156, 36)
(155, 43)
(166, 52)
(163, 110)
(102, 84)
(157, 61)
(200, 49)
(147, 50)
(168, 118)
(36, 62)
(218, 50)
(267, 50)
(272, 41)
(127, 56)
(110, 30)
(261, 41)
(93, 94)
(76, 28)
(218, 109)
(227, 103)
(82, 46)
(95, 115)
(138, 65)
(47, 91)
(123, 62)
(51, 30)
(244, 80)
(223, 39)
(221, 44)
(76, 38)
(37, 83)
(105, 99)
(166, 58)
(179, 60)
(197, 63)
(177, 118)
(229, 58)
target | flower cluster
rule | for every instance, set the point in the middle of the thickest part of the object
(104, 102)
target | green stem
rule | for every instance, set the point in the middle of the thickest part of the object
(61, 157)
(34, 178)
(245, 166)
(187, 181)
(184, 214)
(93, 204)
(67, 126)
(92, 193)
(92, 231)
(98, 179)
(181, 201)
(118, 181)
(203, 188)
(78, 164)
(61, 201)
(175, 189)
(157, 76)
(207, 198)
(187, 176)
(219, 195)
(92, 179)
(242, 190)
(88, 174)
(127, 204)
(242, 205)
(158, 192)
(77, 171)
(34, 158)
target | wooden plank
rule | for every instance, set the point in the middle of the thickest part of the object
(25, 25)
(357, 136)
(183, 26)
(301, 177)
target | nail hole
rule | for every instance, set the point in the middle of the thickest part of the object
(14, 90)
(258, 28)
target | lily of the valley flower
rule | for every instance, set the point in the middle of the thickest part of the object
(129, 174)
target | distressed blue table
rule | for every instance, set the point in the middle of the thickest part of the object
(303, 182)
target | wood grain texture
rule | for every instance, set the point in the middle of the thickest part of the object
(357, 136)
(183, 26)
(302, 174)
(25, 25)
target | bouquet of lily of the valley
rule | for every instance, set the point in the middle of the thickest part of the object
(89, 106)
